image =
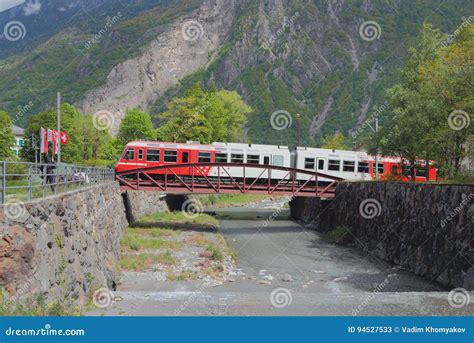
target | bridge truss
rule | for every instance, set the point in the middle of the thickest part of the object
(170, 179)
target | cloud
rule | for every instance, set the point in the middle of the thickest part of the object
(7, 4)
(32, 7)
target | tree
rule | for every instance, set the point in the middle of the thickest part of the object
(86, 142)
(205, 116)
(7, 139)
(436, 86)
(336, 141)
(236, 111)
(136, 125)
(70, 153)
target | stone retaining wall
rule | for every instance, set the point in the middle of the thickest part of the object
(64, 245)
(143, 203)
(427, 229)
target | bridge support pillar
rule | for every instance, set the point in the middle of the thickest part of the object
(176, 201)
(313, 211)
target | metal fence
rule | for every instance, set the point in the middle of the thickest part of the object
(26, 181)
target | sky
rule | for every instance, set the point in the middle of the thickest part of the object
(7, 4)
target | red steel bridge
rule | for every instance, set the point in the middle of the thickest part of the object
(171, 179)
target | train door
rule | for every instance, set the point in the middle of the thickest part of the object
(140, 157)
(267, 159)
(321, 165)
(185, 157)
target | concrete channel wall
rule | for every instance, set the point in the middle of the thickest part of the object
(67, 245)
(427, 229)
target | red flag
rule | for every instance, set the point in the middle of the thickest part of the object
(64, 138)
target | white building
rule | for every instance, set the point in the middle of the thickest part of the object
(19, 140)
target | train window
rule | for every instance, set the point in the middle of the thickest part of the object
(348, 166)
(185, 157)
(221, 157)
(320, 164)
(309, 163)
(140, 154)
(420, 171)
(253, 159)
(204, 157)
(153, 155)
(129, 155)
(394, 170)
(334, 165)
(278, 160)
(407, 169)
(237, 158)
(170, 156)
(381, 168)
(363, 167)
(266, 160)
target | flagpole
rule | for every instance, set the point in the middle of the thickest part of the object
(58, 139)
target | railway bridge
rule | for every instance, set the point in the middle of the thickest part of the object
(244, 178)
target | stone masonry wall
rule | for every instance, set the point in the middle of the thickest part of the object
(427, 229)
(64, 245)
(143, 203)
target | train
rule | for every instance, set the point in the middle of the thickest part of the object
(342, 164)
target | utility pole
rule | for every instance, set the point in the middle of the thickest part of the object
(377, 151)
(298, 132)
(58, 139)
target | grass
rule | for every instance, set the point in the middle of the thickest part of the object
(36, 305)
(340, 235)
(214, 252)
(177, 217)
(214, 249)
(181, 276)
(141, 239)
(228, 200)
(143, 261)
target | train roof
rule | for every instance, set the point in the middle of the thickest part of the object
(156, 144)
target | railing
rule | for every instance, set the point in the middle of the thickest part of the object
(194, 178)
(26, 181)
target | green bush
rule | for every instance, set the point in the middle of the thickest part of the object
(340, 235)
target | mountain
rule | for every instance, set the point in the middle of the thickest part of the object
(322, 66)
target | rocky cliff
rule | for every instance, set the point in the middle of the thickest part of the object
(327, 61)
